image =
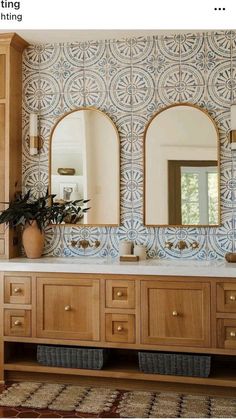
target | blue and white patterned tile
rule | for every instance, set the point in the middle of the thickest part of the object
(222, 118)
(143, 101)
(53, 237)
(219, 43)
(35, 180)
(233, 49)
(39, 94)
(142, 48)
(170, 78)
(31, 93)
(112, 250)
(74, 53)
(71, 100)
(96, 99)
(92, 234)
(227, 186)
(137, 187)
(169, 47)
(31, 58)
(233, 80)
(124, 126)
(45, 130)
(126, 187)
(139, 123)
(94, 83)
(166, 96)
(121, 91)
(220, 86)
(141, 78)
(120, 50)
(94, 52)
(126, 225)
(140, 234)
(48, 55)
(190, 75)
(49, 84)
(175, 234)
(75, 82)
(62, 71)
(223, 240)
(189, 92)
(191, 48)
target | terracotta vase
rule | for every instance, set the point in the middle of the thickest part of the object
(33, 240)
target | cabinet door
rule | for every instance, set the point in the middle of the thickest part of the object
(175, 313)
(68, 308)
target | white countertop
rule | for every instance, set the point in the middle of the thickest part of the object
(219, 268)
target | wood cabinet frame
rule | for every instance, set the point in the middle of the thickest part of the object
(134, 321)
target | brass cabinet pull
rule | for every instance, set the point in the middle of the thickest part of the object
(119, 294)
(232, 334)
(175, 313)
(232, 298)
(17, 323)
(17, 290)
(68, 308)
(119, 328)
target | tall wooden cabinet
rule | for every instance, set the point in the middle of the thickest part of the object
(11, 48)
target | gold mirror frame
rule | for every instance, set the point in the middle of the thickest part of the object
(145, 169)
(84, 108)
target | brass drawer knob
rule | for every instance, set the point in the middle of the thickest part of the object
(175, 313)
(17, 323)
(119, 328)
(232, 334)
(68, 308)
(232, 298)
(17, 290)
(119, 294)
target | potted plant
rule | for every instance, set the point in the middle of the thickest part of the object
(36, 214)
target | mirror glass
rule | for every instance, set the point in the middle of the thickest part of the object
(84, 164)
(181, 168)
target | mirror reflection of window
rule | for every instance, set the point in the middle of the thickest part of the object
(186, 134)
(199, 189)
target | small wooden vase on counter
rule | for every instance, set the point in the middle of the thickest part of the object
(230, 257)
(33, 240)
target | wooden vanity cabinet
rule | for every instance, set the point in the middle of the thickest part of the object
(120, 312)
(11, 48)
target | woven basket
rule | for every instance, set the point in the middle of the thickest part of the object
(72, 357)
(175, 363)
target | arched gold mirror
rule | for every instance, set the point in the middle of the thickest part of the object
(181, 182)
(85, 164)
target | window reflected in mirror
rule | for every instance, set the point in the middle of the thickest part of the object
(84, 164)
(181, 168)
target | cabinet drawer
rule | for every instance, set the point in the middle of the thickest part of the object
(120, 294)
(226, 333)
(17, 289)
(120, 328)
(17, 322)
(226, 297)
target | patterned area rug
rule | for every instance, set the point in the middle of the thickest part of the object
(101, 401)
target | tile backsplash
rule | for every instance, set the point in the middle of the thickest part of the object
(131, 79)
